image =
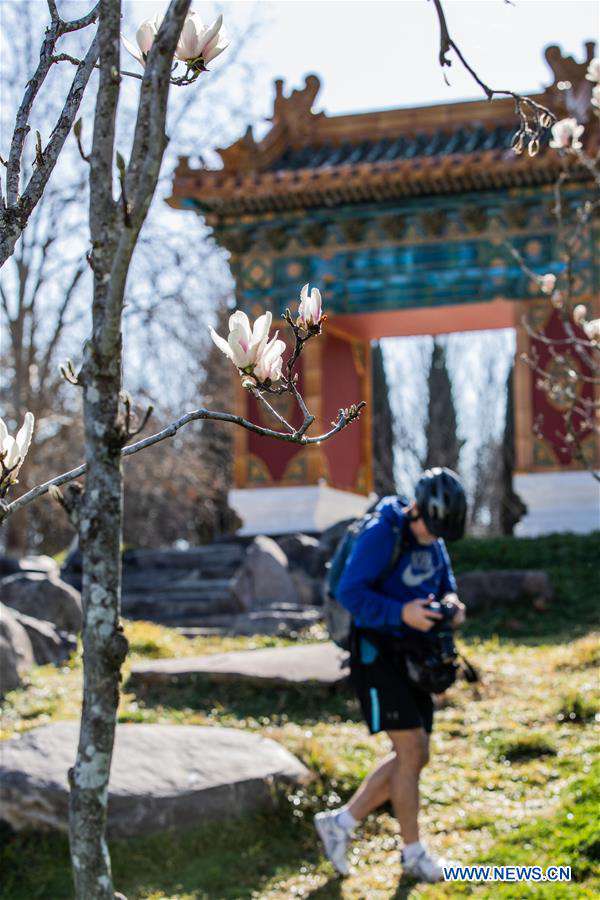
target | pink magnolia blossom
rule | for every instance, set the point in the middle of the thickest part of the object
(197, 40)
(565, 134)
(548, 283)
(13, 450)
(596, 96)
(145, 38)
(244, 345)
(310, 310)
(593, 72)
(579, 313)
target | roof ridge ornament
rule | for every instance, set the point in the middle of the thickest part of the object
(570, 92)
(295, 112)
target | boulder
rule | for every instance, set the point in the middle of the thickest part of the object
(331, 537)
(310, 665)
(264, 578)
(162, 777)
(10, 565)
(49, 644)
(16, 652)
(281, 622)
(42, 597)
(309, 589)
(482, 590)
(304, 553)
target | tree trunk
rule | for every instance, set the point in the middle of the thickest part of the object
(114, 229)
(441, 430)
(384, 482)
(104, 644)
(512, 508)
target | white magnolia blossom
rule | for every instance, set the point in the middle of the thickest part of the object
(145, 37)
(13, 450)
(566, 133)
(596, 96)
(593, 72)
(310, 307)
(244, 345)
(548, 282)
(199, 41)
(592, 330)
(270, 362)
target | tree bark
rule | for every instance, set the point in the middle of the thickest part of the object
(104, 645)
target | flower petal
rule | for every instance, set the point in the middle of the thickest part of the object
(25, 434)
(135, 51)
(221, 343)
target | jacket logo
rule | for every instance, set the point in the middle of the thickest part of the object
(425, 569)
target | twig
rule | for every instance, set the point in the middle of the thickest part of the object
(525, 106)
(345, 417)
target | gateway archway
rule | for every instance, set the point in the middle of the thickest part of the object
(401, 218)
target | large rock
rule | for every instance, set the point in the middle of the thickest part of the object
(162, 776)
(482, 590)
(11, 565)
(16, 652)
(42, 597)
(305, 553)
(264, 578)
(314, 665)
(281, 622)
(331, 537)
(49, 644)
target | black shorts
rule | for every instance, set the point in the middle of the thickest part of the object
(390, 701)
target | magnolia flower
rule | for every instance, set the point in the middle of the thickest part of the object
(144, 37)
(593, 72)
(270, 362)
(14, 450)
(310, 307)
(592, 330)
(566, 133)
(596, 96)
(245, 345)
(579, 313)
(547, 283)
(199, 43)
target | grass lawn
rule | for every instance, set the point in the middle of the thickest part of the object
(512, 777)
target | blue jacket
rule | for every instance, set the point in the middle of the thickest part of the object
(421, 570)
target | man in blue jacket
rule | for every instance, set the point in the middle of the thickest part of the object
(384, 611)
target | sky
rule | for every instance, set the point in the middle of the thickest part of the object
(383, 53)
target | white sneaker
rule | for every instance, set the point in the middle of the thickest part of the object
(425, 867)
(335, 840)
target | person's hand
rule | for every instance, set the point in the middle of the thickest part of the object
(461, 610)
(417, 615)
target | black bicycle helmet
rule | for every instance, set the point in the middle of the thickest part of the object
(442, 503)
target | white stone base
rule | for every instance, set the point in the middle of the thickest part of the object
(558, 501)
(281, 510)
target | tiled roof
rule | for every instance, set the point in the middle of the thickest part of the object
(441, 143)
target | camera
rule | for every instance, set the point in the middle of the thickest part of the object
(441, 634)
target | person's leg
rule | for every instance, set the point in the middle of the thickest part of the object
(412, 754)
(374, 790)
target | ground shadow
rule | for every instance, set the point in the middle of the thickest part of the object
(231, 861)
(304, 703)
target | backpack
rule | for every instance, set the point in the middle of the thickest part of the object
(337, 618)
